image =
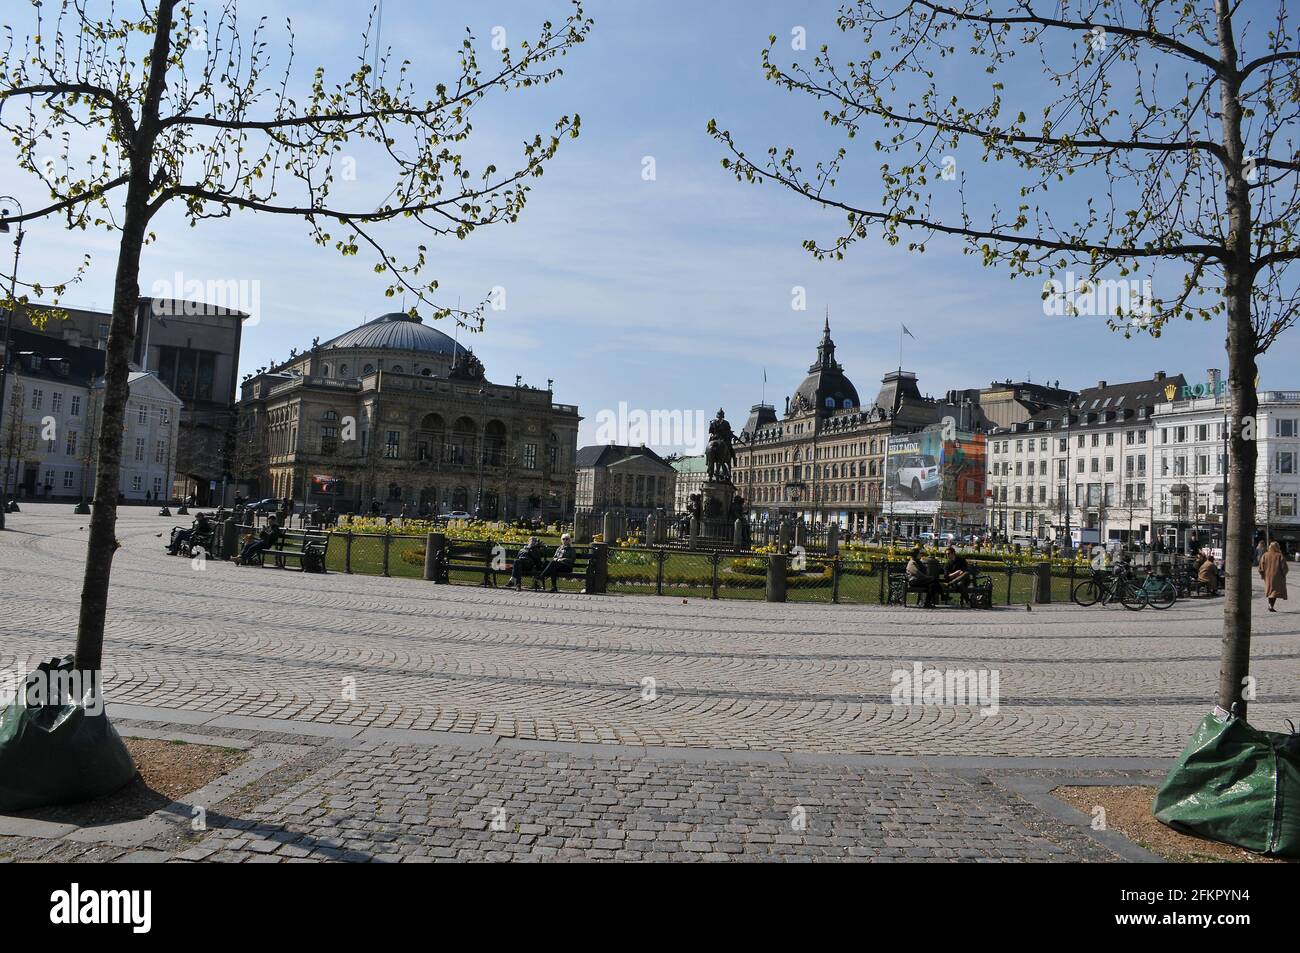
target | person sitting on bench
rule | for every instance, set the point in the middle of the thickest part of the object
(1207, 575)
(561, 563)
(267, 538)
(956, 574)
(198, 530)
(919, 580)
(527, 560)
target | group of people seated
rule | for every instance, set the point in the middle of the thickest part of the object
(531, 559)
(936, 581)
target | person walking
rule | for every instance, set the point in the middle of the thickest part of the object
(1272, 569)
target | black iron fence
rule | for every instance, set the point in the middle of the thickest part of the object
(854, 578)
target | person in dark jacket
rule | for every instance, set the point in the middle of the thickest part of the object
(956, 572)
(527, 560)
(561, 562)
(265, 540)
(919, 578)
(201, 527)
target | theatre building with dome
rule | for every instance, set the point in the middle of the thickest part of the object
(397, 411)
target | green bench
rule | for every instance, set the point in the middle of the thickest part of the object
(308, 548)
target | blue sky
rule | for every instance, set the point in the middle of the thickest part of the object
(673, 293)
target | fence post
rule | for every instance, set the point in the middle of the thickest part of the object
(883, 571)
(1011, 571)
(776, 577)
(1043, 583)
(833, 539)
(661, 557)
(434, 543)
(715, 559)
(347, 552)
(835, 579)
(388, 538)
(598, 574)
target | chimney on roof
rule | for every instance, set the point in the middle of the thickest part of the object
(1212, 375)
(1101, 385)
(1160, 375)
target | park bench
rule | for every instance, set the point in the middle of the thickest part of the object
(482, 557)
(978, 595)
(308, 548)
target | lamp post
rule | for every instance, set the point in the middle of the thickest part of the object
(1069, 543)
(4, 352)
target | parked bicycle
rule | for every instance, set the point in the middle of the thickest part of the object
(1155, 590)
(1104, 587)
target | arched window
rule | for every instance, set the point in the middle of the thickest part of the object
(397, 369)
(368, 369)
(847, 403)
(343, 370)
(830, 402)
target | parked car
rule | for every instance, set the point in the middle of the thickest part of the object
(457, 515)
(268, 505)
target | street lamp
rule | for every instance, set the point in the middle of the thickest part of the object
(4, 353)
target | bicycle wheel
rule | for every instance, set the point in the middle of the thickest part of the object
(1133, 597)
(1164, 596)
(1086, 593)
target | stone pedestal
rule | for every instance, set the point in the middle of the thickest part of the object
(715, 499)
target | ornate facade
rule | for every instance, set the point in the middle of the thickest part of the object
(395, 411)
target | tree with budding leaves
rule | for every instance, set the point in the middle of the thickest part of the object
(1176, 121)
(165, 108)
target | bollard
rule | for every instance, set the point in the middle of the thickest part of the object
(598, 571)
(434, 543)
(833, 540)
(776, 578)
(229, 539)
(1043, 583)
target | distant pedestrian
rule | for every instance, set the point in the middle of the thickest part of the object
(1272, 569)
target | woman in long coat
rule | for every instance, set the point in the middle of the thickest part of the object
(1272, 569)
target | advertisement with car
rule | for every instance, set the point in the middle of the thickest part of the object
(926, 473)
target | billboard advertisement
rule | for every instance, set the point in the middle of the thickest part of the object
(928, 474)
(325, 484)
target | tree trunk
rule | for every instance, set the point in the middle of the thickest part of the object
(102, 543)
(1234, 661)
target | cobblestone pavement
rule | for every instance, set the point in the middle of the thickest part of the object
(360, 652)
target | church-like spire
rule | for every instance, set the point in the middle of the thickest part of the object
(826, 348)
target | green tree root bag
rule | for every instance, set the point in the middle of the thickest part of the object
(1236, 784)
(58, 752)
